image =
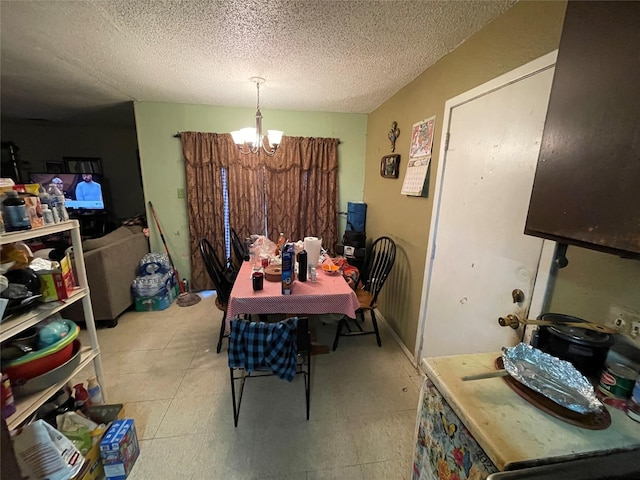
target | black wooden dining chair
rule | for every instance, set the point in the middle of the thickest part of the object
(240, 250)
(221, 283)
(372, 278)
(261, 349)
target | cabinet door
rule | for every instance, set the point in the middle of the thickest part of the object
(587, 184)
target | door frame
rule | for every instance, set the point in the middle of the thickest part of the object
(546, 264)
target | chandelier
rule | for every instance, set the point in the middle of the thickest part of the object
(250, 140)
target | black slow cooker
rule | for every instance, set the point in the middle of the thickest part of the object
(586, 349)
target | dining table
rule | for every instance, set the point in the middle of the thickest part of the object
(329, 294)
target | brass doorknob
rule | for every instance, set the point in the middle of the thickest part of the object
(510, 320)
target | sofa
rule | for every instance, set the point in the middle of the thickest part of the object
(111, 263)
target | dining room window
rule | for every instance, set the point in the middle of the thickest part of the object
(295, 191)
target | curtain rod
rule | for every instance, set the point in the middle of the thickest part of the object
(177, 135)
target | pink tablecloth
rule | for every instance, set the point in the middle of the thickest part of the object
(328, 294)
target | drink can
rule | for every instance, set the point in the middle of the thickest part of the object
(617, 380)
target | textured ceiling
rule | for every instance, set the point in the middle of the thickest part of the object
(65, 59)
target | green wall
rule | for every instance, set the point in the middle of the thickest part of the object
(523, 33)
(163, 167)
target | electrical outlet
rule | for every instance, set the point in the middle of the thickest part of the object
(625, 320)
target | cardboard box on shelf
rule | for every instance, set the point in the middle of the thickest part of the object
(57, 284)
(35, 211)
(28, 188)
(67, 273)
(52, 285)
(92, 468)
(119, 449)
(28, 193)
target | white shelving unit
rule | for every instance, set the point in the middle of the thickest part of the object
(15, 324)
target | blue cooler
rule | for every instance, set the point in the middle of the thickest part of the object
(356, 216)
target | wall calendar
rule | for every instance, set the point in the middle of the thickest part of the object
(416, 176)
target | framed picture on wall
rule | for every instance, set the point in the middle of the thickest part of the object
(82, 164)
(389, 166)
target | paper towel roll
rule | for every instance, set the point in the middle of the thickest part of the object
(312, 245)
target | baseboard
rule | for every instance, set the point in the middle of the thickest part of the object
(406, 351)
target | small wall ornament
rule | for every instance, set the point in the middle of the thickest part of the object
(390, 166)
(393, 135)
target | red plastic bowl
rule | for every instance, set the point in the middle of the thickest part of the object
(39, 366)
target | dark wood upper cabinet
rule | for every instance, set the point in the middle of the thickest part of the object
(586, 190)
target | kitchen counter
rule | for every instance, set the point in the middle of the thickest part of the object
(512, 432)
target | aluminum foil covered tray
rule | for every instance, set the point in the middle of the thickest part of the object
(556, 379)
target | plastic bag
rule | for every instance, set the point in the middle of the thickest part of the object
(77, 429)
(350, 273)
(263, 247)
(45, 453)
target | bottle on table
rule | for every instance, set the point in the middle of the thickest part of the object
(281, 241)
(302, 266)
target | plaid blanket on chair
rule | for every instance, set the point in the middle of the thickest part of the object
(261, 345)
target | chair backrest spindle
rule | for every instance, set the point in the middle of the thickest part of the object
(378, 266)
(215, 270)
(239, 248)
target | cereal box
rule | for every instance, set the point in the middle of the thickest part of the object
(119, 449)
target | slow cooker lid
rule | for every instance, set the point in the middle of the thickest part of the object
(582, 336)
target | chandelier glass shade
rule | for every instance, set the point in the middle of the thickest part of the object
(251, 139)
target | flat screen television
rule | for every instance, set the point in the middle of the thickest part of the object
(81, 190)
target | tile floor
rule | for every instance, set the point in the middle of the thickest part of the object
(163, 367)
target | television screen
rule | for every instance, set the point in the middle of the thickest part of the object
(81, 190)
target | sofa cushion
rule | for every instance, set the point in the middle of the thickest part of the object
(116, 235)
(134, 228)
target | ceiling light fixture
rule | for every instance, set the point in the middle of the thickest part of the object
(249, 140)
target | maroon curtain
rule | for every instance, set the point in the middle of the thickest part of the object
(302, 189)
(299, 184)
